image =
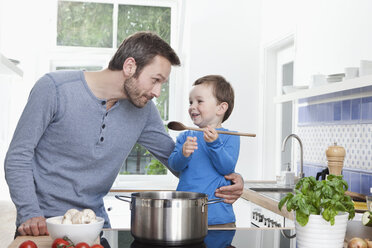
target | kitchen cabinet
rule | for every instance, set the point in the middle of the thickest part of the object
(347, 89)
(118, 211)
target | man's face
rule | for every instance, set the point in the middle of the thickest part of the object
(147, 85)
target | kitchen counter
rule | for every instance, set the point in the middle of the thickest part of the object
(256, 237)
(239, 237)
(268, 200)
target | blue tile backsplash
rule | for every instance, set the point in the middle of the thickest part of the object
(347, 122)
(355, 109)
(346, 111)
(366, 108)
(358, 181)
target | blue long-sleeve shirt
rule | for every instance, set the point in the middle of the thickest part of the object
(67, 148)
(204, 170)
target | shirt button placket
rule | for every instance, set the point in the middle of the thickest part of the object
(101, 139)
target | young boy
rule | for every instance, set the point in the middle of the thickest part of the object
(203, 158)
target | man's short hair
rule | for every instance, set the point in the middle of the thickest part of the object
(143, 47)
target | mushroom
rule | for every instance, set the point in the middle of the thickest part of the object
(77, 218)
(88, 216)
(74, 216)
(67, 218)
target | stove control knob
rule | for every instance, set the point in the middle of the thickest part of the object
(269, 222)
(272, 223)
(266, 222)
(260, 217)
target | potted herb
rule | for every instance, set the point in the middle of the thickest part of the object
(320, 207)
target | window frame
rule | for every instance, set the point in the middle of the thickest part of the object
(95, 56)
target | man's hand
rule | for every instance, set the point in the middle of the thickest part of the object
(35, 226)
(232, 192)
(189, 146)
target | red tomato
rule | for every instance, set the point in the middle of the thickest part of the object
(60, 243)
(82, 245)
(28, 244)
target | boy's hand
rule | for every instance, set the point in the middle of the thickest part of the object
(189, 146)
(210, 134)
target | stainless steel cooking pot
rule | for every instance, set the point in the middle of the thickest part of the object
(169, 217)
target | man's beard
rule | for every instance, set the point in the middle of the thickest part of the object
(133, 93)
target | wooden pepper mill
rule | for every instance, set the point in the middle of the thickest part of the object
(335, 156)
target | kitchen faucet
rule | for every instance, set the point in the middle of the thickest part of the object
(301, 174)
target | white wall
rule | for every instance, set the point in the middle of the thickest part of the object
(332, 35)
(223, 38)
(329, 35)
(27, 40)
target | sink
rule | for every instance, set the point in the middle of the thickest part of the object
(269, 187)
(275, 189)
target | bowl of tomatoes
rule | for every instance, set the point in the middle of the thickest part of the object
(75, 233)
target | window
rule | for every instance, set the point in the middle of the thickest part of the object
(85, 24)
(88, 34)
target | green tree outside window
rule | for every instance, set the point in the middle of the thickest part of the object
(84, 24)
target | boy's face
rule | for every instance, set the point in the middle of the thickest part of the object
(204, 109)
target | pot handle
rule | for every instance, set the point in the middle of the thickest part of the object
(212, 201)
(119, 198)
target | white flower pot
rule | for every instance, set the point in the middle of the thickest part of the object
(319, 233)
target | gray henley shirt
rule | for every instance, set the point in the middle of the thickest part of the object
(67, 148)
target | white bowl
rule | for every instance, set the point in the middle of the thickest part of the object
(75, 232)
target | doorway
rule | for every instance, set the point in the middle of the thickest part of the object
(285, 64)
(278, 71)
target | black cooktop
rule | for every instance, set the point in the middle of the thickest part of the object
(249, 237)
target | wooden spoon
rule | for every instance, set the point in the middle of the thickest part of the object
(356, 196)
(178, 126)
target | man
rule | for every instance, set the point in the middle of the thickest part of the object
(78, 127)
